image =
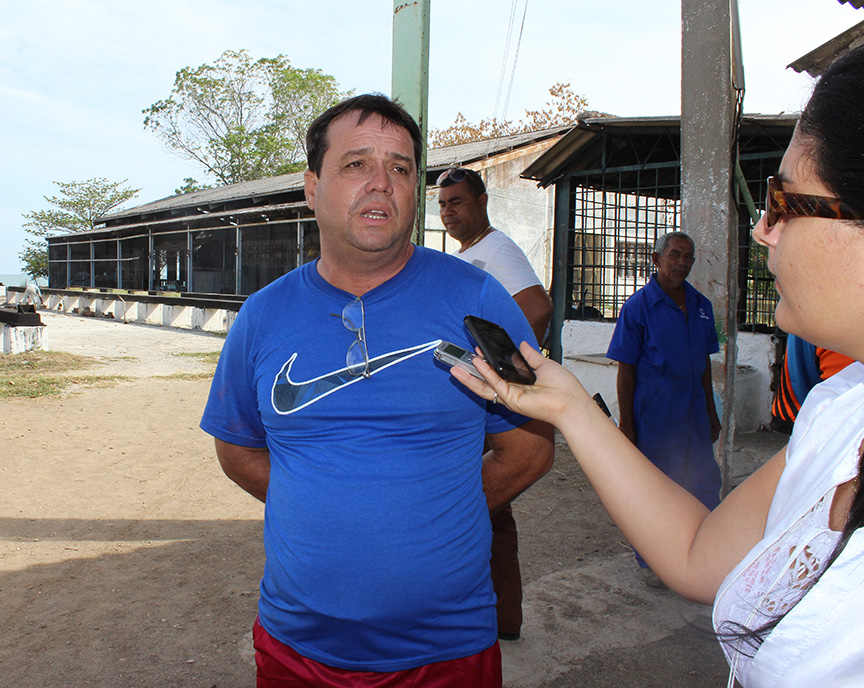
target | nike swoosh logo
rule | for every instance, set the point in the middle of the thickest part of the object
(289, 396)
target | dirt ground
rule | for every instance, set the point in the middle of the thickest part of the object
(128, 560)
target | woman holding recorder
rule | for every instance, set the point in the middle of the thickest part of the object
(782, 557)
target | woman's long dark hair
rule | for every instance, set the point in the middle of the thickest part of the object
(832, 126)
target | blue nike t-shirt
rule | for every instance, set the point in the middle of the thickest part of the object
(376, 528)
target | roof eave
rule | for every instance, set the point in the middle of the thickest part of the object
(819, 59)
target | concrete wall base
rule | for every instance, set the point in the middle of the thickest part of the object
(584, 347)
(17, 340)
(112, 305)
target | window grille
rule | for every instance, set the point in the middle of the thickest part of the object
(631, 260)
(613, 236)
(616, 217)
(757, 297)
(170, 262)
(266, 251)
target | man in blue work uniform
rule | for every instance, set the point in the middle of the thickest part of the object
(664, 335)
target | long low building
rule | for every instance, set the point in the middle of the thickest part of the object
(237, 238)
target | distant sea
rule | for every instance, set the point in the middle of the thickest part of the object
(19, 279)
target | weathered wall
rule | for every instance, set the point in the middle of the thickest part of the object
(112, 305)
(17, 340)
(708, 212)
(584, 345)
(518, 207)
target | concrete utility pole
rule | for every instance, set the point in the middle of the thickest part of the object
(410, 80)
(708, 210)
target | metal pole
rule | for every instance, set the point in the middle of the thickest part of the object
(560, 267)
(410, 81)
(151, 262)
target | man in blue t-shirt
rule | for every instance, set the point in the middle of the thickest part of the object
(662, 341)
(328, 405)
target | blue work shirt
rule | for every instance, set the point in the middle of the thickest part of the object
(669, 349)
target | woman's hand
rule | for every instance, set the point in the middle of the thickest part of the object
(555, 392)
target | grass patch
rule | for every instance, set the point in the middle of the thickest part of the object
(32, 387)
(45, 373)
(204, 356)
(185, 376)
(42, 362)
(208, 358)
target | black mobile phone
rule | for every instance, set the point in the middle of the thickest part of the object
(602, 404)
(499, 351)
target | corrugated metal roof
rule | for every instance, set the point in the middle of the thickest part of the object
(216, 195)
(436, 159)
(818, 60)
(557, 160)
(465, 153)
(782, 119)
(193, 220)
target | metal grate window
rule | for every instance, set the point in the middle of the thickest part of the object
(757, 296)
(632, 260)
(613, 235)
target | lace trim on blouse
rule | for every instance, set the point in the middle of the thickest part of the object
(775, 581)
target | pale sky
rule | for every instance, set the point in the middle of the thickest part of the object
(76, 74)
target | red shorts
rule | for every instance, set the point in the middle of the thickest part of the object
(281, 667)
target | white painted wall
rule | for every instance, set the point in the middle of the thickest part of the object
(17, 340)
(518, 207)
(757, 354)
(108, 305)
(584, 347)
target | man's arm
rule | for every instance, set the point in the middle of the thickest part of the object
(713, 419)
(517, 459)
(626, 393)
(249, 467)
(537, 307)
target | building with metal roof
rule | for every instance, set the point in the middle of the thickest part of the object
(617, 187)
(235, 239)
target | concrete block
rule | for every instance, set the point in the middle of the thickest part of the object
(17, 340)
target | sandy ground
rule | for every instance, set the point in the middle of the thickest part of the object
(128, 560)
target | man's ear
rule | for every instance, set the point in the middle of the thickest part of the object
(310, 184)
(484, 199)
(655, 258)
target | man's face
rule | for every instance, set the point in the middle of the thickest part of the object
(365, 197)
(675, 263)
(463, 213)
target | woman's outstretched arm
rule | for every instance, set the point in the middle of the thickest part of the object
(690, 549)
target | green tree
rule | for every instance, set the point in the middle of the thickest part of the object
(242, 119)
(78, 208)
(565, 107)
(34, 258)
(191, 185)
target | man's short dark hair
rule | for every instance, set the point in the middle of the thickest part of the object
(367, 104)
(457, 175)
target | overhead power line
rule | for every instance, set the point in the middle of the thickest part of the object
(503, 74)
(515, 60)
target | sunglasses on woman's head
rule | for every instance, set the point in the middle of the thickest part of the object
(779, 202)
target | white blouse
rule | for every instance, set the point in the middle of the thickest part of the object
(820, 642)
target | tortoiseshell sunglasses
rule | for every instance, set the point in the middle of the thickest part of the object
(779, 202)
